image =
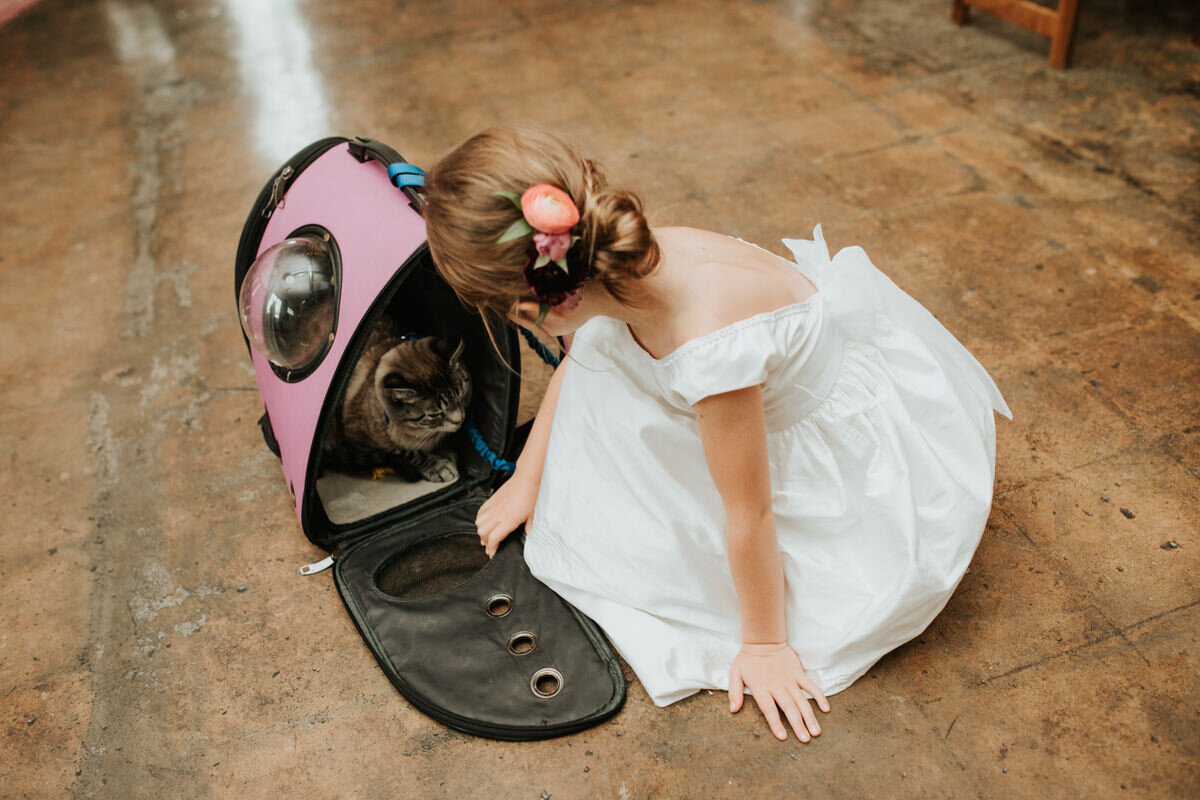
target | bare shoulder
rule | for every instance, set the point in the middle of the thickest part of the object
(726, 280)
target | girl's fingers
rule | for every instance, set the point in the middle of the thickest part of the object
(792, 711)
(802, 703)
(737, 690)
(498, 535)
(488, 526)
(491, 536)
(809, 686)
(766, 704)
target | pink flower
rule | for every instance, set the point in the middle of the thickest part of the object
(552, 245)
(549, 209)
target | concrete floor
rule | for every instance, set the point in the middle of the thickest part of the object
(156, 639)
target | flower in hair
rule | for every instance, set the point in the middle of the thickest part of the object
(549, 209)
(552, 245)
(548, 213)
(553, 286)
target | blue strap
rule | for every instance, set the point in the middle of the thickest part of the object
(481, 447)
(403, 174)
(485, 452)
(539, 348)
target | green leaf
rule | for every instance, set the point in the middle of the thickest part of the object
(515, 231)
(513, 196)
(542, 260)
(543, 310)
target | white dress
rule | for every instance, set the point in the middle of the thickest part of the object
(881, 440)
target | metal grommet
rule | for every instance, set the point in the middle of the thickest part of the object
(498, 605)
(522, 643)
(546, 682)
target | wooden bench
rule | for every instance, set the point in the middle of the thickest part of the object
(1058, 24)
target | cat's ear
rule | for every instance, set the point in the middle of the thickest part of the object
(458, 352)
(449, 349)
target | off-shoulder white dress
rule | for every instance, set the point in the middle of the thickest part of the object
(881, 440)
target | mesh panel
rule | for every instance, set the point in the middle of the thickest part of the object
(432, 567)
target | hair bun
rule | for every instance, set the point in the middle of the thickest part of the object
(467, 214)
(615, 234)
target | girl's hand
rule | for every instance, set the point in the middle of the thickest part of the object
(776, 677)
(504, 511)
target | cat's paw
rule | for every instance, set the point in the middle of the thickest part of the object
(440, 469)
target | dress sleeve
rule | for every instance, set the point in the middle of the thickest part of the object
(726, 361)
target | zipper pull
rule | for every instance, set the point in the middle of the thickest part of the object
(278, 188)
(317, 566)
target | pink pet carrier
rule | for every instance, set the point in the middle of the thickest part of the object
(334, 243)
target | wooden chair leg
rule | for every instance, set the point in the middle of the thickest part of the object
(1064, 33)
(1058, 24)
(958, 12)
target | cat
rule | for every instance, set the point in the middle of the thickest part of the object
(405, 397)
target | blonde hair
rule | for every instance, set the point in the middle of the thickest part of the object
(464, 216)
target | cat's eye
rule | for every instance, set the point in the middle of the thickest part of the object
(403, 395)
(288, 301)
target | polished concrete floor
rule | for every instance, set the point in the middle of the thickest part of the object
(156, 639)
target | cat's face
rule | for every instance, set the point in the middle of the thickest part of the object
(424, 386)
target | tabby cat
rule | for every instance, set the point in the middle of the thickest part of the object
(404, 398)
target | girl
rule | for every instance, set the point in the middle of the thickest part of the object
(753, 474)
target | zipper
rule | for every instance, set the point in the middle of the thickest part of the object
(317, 566)
(322, 565)
(278, 190)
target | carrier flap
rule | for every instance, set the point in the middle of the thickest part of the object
(479, 645)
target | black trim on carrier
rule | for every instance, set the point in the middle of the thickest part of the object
(322, 531)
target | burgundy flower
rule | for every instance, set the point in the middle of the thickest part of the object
(552, 284)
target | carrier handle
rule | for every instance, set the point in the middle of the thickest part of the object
(364, 150)
(403, 174)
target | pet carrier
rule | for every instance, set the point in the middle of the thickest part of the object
(335, 244)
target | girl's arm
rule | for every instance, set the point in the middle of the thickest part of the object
(512, 504)
(734, 436)
(533, 454)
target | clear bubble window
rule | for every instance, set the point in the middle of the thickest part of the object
(289, 299)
